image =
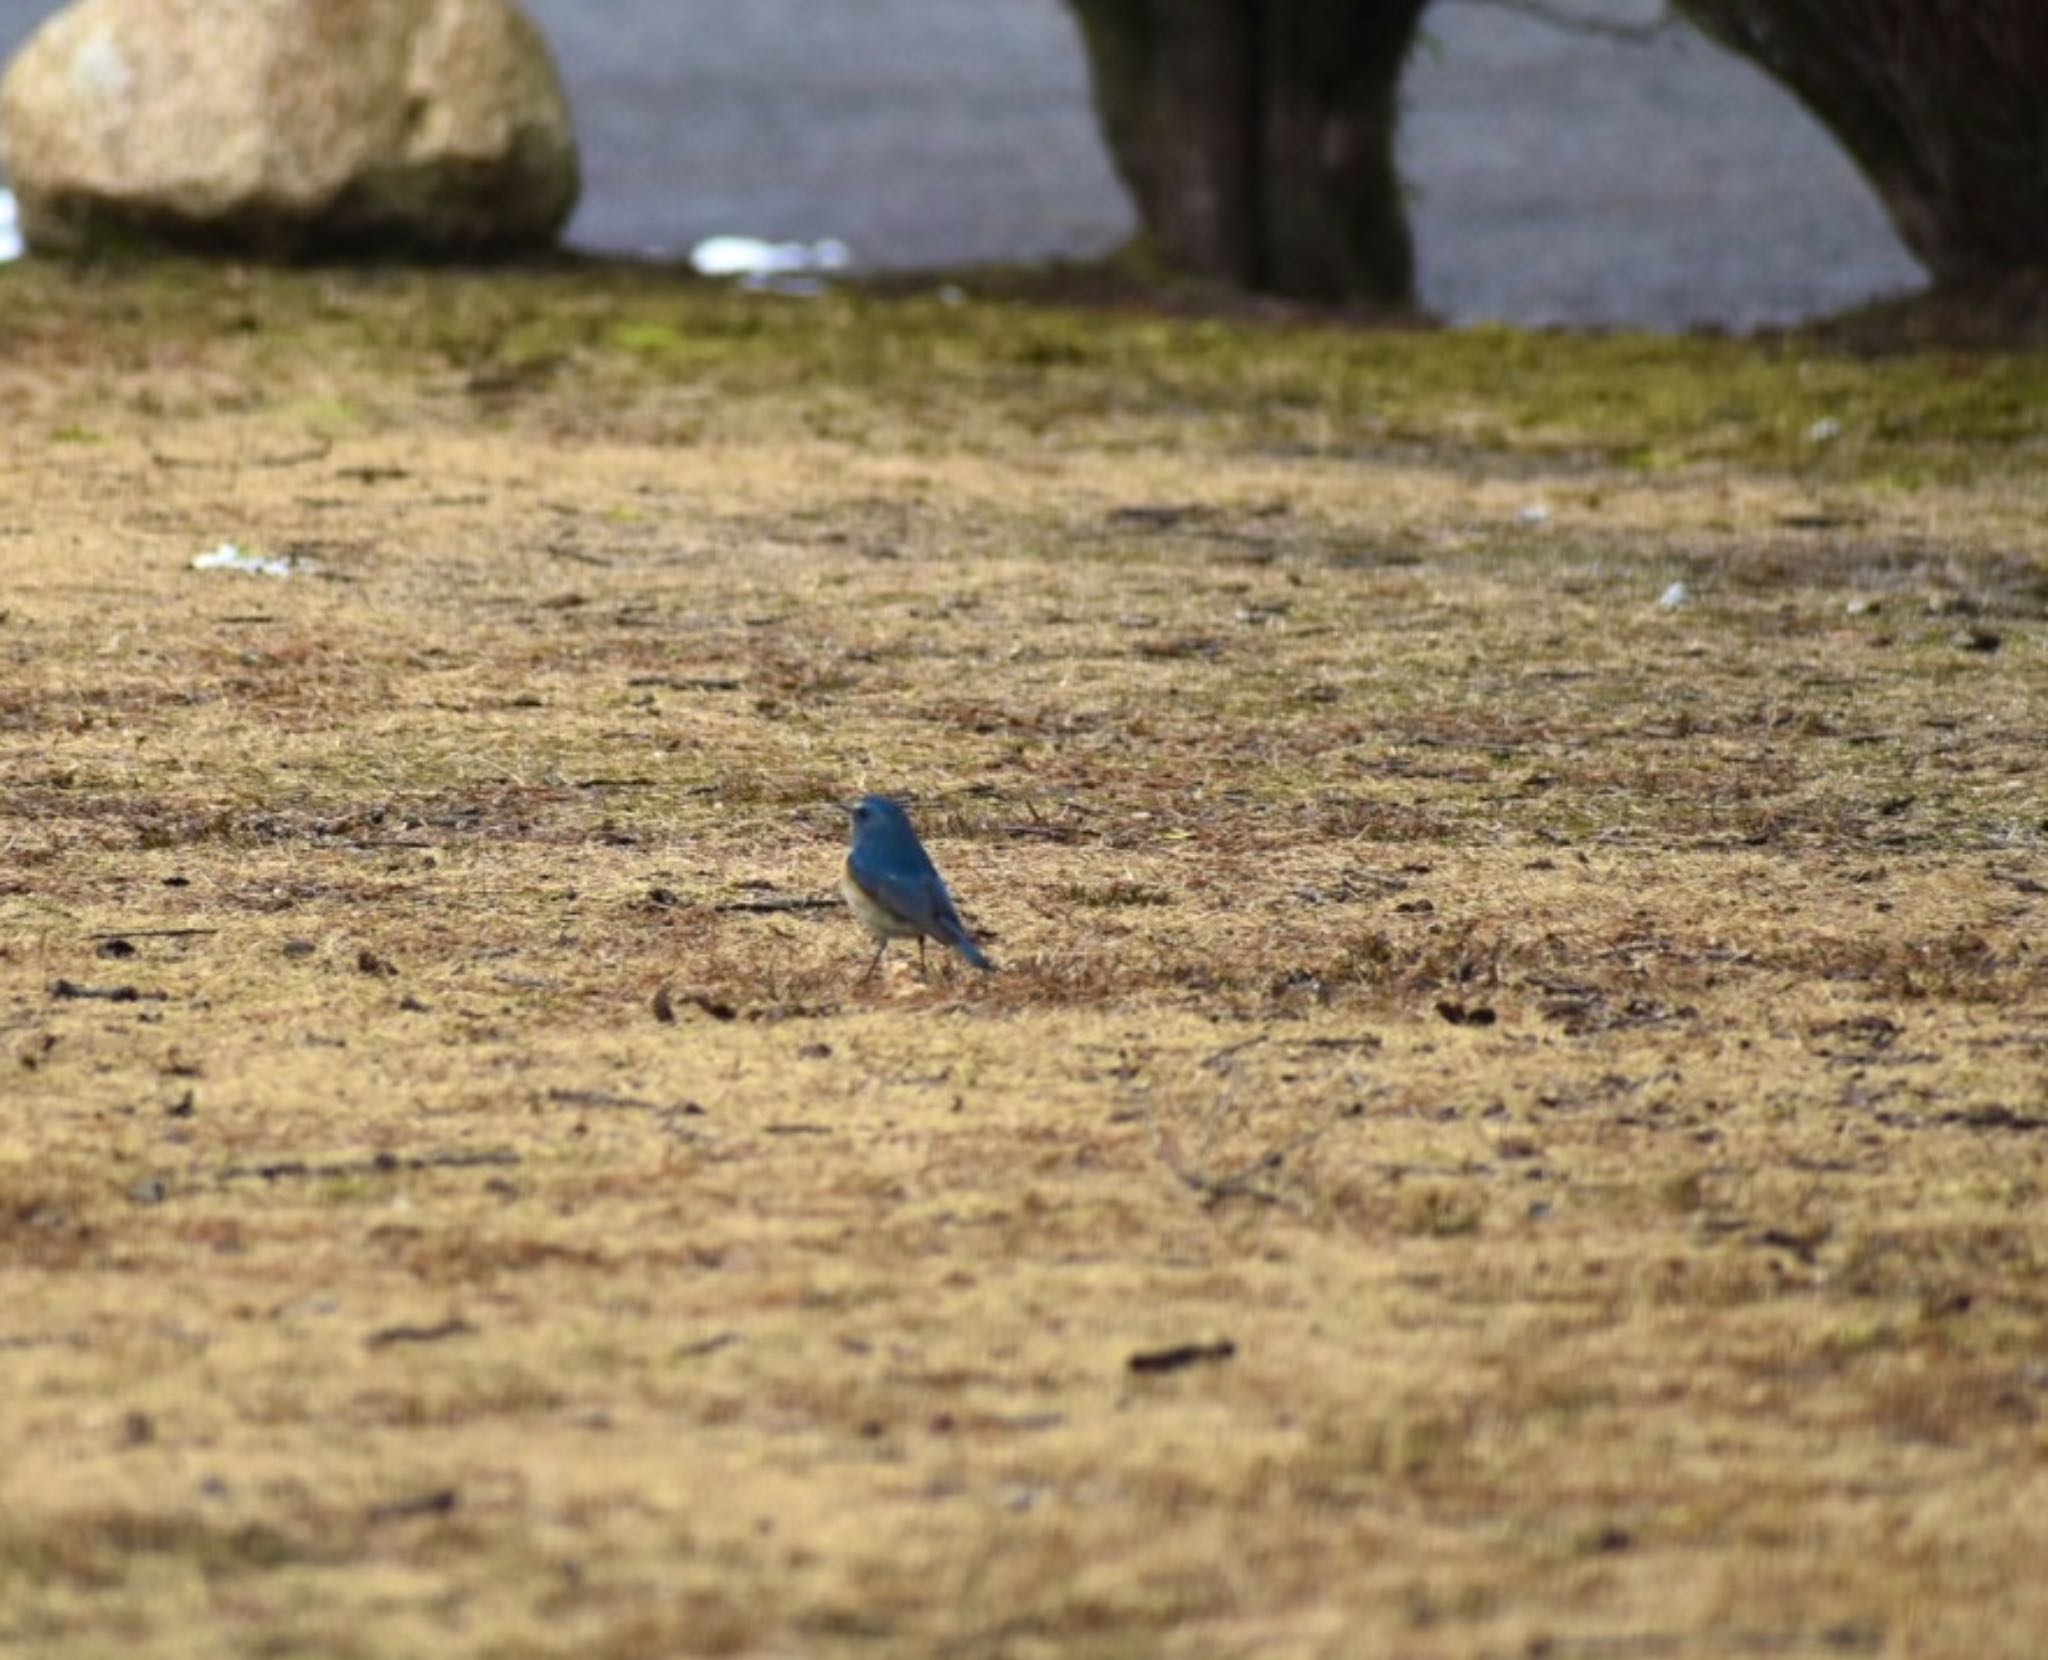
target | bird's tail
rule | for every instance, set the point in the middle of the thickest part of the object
(954, 932)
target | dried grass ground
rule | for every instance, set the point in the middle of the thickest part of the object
(1587, 1059)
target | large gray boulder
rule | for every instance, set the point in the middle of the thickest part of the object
(289, 126)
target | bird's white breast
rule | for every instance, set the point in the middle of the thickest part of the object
(884, 925)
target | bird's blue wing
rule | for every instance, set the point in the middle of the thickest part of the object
(917, 897)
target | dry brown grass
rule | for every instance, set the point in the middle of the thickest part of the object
(1587, 1061)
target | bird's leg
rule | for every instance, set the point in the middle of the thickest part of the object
(923, 969)
(877, 963)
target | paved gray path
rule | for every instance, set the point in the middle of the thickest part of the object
(1558, 178)
(1568, 179)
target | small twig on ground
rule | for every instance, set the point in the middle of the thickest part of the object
(42, 1340)
(383, 1164)
(67, 989)
(439, 1502)
(772, 905)
(706, 1346)
(453, 1327)
(595, 1098)
(1215, 1062)
(1181, 1355)
(687, 682)
(286, 458)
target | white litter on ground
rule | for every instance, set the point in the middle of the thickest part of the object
(1673, 597)
(11, 246)
(771, 267)
(228, 557)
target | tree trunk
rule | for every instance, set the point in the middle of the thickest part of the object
(1942, 103)
(1258, 137)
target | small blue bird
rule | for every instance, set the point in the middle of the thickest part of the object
(891, 885)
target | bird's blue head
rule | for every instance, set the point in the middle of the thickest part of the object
(881, 824)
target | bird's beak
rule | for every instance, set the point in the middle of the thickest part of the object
(845, 807)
